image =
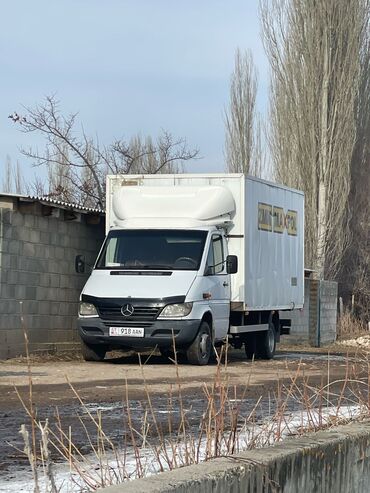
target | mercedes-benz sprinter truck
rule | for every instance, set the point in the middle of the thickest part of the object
(193, 261)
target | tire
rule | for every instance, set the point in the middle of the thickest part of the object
(92, 353)
(199, 352)
(250, 347)
(266, 343)
(166, 352)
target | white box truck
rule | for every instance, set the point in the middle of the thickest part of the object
(195, 260)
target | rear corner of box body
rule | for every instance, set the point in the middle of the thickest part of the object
(274, 256)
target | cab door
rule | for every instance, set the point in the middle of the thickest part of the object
(217, 284)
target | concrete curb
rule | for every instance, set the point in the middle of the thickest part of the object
(335, 461)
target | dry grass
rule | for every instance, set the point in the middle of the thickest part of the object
(349, 327)
(223, 428)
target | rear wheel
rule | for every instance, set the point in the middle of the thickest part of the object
(266, 342)
(199, 352)
(92, 353)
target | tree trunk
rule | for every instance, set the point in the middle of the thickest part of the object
(322, 197)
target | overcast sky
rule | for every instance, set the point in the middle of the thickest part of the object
(127, 67)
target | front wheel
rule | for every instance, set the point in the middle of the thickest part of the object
(250, 346)
(93, 352)
(199, 352)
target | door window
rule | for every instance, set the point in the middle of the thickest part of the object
(215, 259)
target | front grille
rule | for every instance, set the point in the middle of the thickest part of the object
(141, 313)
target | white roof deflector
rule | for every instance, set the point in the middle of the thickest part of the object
(204, 205)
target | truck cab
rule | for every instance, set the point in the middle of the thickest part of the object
(158, 288)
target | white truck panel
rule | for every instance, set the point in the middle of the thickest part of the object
(265, 232)
(274, 238)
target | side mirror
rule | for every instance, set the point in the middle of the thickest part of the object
(80, 264)
(231, 264)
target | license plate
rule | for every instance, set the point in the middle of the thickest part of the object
(127, 331)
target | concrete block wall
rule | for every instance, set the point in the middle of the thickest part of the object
(316, 323)
(328, 312)
(37, 276)
(314, 314)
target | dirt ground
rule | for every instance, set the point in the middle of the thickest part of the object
(107, 381)
(110, 386)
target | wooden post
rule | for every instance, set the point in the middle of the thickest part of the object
(340, 306)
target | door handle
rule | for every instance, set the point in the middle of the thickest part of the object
(225, 284)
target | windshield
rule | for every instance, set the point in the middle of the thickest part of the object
(152, 249)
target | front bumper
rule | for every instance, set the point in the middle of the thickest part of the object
(160, 333)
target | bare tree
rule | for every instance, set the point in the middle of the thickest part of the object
(355, 272)
(7, 179)
(314, 49)
(13, 181)
(243, 130)
(77, 164)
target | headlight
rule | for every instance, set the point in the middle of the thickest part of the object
(176, 310)
(87, 310)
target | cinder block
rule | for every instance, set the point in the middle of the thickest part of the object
(10, 322)
(73, 295)
(15, 247)
(4, 246)
(54, 308)
(31, 307)
(29, 278)
(44, 280)
(8, 291)
(61, 295)
(65, 240)
(45, 237)
(72, 309)
(61, 335)
(5, 260)
(42, 293)
(49, 252)
(38, 335)
(59, 253)
(15, 336)
(7, 216)
(55, 280)
(53, 294)
(54, 225)
(35, 236)
(7, 307)
(22, 233)
(8, 231)
(40, 251)
(43, 224)
(31, 293)
(56, 322)
(53, 266)
(44, 308)
(29, 220)
(65, 266)
(28, 249)
(45, 321)
(65, 281)
(14, 261)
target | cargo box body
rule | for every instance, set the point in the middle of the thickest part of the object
(264, 227)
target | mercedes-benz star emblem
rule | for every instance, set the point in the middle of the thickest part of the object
(127, 310)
